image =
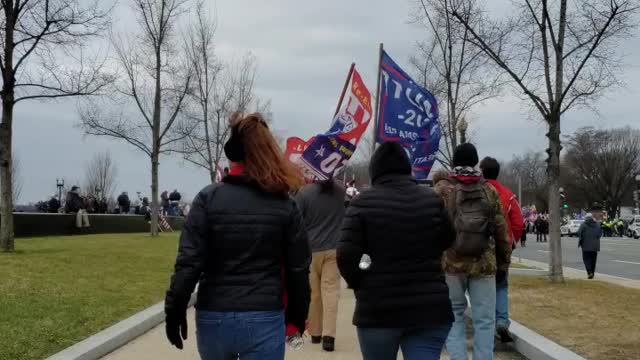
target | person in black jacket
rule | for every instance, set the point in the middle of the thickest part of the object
(74, 204)
(245, 243)
(124, 203)
(402, 299)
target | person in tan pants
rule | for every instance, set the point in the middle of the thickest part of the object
(325, 290)
(322, 207)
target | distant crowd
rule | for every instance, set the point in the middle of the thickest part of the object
(74, 202)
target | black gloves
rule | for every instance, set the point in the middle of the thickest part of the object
(176, 327)
(500, 276)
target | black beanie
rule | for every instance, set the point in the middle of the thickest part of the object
(234, 148)
(389, 158)
(465, 155)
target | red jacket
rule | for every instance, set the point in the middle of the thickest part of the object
(512, 212)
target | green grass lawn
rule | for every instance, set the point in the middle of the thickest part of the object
(56, 291)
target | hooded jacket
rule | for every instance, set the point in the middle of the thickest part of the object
(404, 228)
(589, 235)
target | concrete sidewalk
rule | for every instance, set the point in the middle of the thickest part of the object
(154, 346)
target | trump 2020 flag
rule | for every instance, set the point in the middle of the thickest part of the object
(330, 151)
(408, 115)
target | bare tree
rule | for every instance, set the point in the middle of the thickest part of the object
(144, 111)
(220, 90)
(601, 166)
(558, 54)
(454, 70)
(528, 170)
(100, 176)
(43, 57)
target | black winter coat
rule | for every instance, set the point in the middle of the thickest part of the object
(404, 228)
(236, 242)
(73, 202)
(589, 235)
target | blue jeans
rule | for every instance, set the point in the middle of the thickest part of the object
(252, 335)
(482, 294)
(502, 303)
(416, 343)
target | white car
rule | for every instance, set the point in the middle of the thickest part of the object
(571, 228)
(634, 228)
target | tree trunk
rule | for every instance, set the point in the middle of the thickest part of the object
(6, 185)
(155, 208)
(553, 177)
(6, 134)
(155, 153)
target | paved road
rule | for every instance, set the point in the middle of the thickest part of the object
(154, 346)
(617, 257)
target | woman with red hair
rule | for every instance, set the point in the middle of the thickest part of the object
(239, 237)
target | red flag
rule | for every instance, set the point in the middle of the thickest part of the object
(295, 148)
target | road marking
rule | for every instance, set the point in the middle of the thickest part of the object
(543, 251)
(627, 262)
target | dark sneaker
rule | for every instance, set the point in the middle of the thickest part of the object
(504, 334)
(316, 339)
(591, 275)
(328, 343)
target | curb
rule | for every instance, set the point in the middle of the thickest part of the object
(528, 272)
(116, 336)
(535, 346)
(572, 273)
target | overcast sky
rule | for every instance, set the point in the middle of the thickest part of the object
(304, 49)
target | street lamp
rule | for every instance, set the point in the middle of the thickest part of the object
(60, 186)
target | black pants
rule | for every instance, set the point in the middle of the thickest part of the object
(540, 236)
(590, 258)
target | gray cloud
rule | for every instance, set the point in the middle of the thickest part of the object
(304, 50)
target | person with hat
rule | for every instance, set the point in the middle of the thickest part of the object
(402, 300)
(480, 255)
(244, 241)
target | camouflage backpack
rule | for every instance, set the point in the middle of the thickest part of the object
(473, 217)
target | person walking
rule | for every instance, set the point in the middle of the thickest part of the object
(321, 204)
(244, 242)
(589, 235)
(480, 255)
(544, 225)
(75, 204)
(538, 228)
(402, 300)
(515, 226)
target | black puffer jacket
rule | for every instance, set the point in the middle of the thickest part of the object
(236, 241)
(404, 228)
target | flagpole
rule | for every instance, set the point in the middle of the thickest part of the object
(344, 89)
(375, 116)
